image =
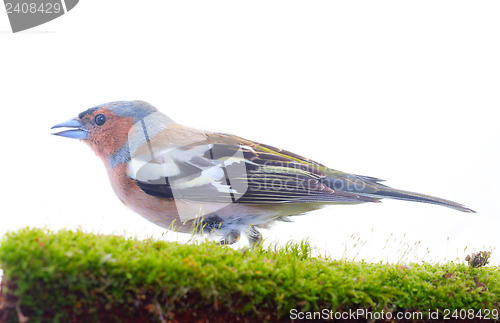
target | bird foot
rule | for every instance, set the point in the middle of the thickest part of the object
(231, 238)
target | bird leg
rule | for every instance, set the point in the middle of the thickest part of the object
(231, 238)
(255, 237)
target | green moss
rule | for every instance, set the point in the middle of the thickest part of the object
(57, 276)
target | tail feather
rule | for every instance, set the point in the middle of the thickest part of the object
(388, 192)
(371, 187)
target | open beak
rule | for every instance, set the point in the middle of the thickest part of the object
(76, 129)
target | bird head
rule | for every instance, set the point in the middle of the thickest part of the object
(108, 128)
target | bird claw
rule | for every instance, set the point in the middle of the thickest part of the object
(231, 238)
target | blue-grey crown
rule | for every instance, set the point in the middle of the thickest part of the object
(137, 109)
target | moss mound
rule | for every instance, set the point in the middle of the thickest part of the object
(77, 276)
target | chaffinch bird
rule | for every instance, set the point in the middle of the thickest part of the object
(189, 179)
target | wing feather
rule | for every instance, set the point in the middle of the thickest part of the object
(226, 168)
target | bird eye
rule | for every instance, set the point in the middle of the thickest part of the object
(100, 119)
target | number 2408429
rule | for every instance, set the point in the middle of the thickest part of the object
(32, 7)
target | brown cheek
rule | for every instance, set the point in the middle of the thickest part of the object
(106, 140)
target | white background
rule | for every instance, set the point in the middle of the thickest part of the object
(405, 91)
